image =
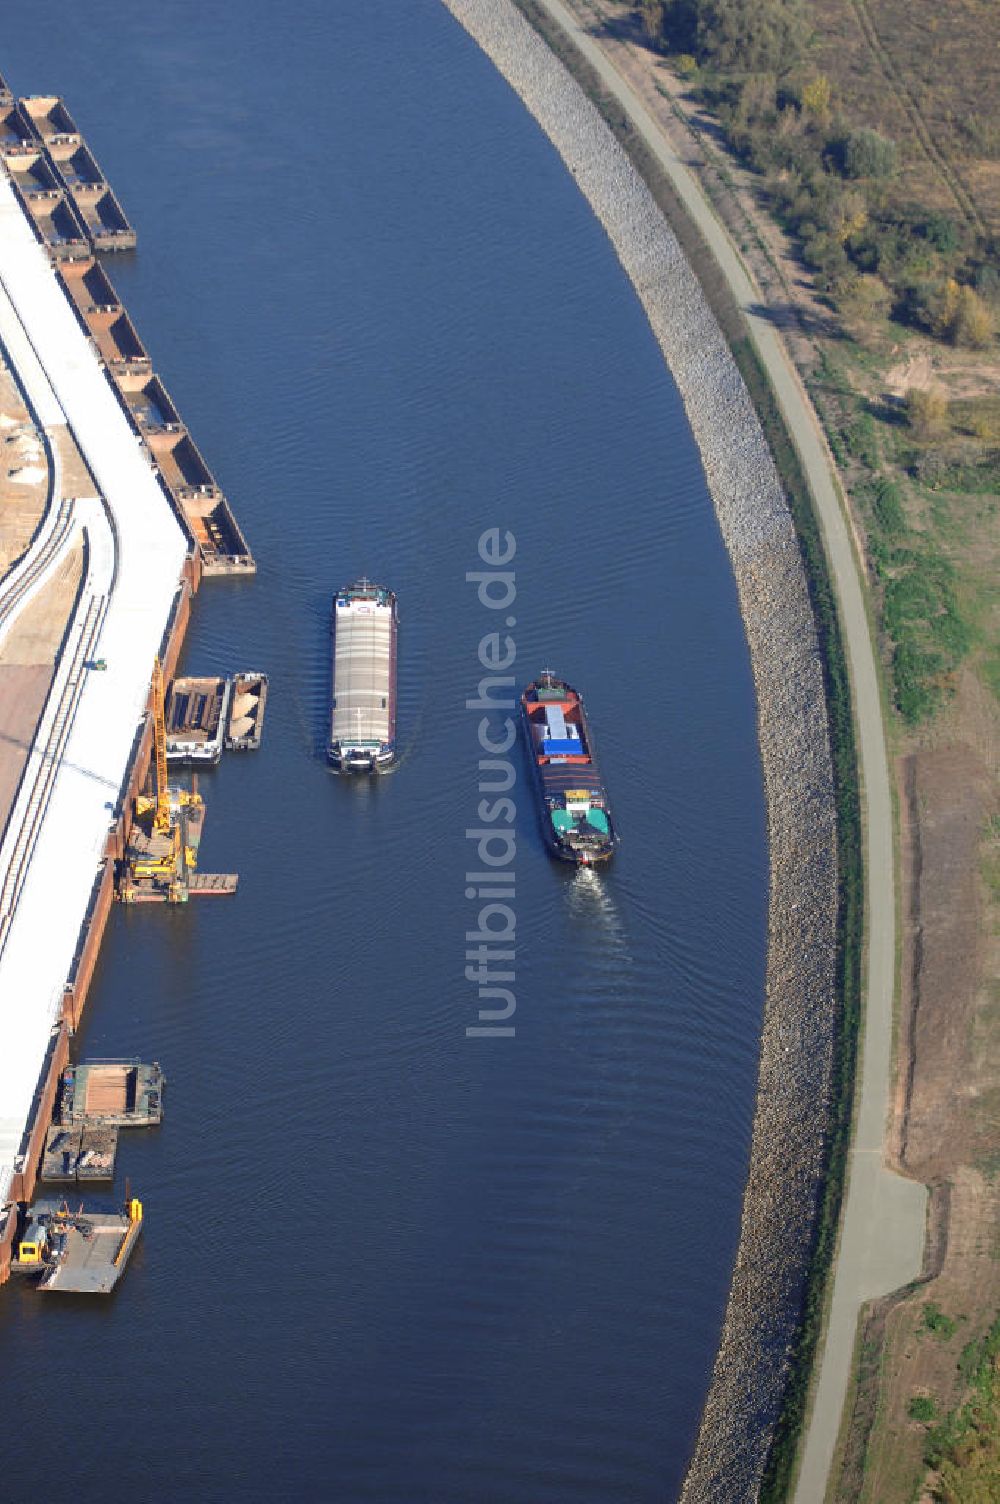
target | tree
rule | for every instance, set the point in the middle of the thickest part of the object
(864, 300)
(751, 36)
(851, 214)
(652, 21)
(679, 25)
(972, 323)
(867, 154)
(816, 99)
(926, 410)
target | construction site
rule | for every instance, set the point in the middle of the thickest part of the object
(109, 520)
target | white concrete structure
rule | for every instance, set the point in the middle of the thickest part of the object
(134, 556)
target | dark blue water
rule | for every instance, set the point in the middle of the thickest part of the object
(383, 1261)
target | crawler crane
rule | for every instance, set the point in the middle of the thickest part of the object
(161, 853)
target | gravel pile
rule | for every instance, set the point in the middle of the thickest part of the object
(796, 1043)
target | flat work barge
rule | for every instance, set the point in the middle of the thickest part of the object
(84, 1153)
(119, 1093)
(197, 719)
(363, 712)
(78, 1253)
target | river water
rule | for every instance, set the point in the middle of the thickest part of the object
(383, 1261)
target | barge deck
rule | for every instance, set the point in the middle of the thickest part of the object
(197, 720)
(363, 709)
(83, 1153)
(117, 1093)
(78, 1253)
(246, 712)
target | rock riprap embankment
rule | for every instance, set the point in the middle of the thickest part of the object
(799, 1017)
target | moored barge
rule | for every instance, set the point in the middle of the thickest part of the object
(573, 807)
(246, 712)
(78, 1253)
(197, 715)
(363, 711)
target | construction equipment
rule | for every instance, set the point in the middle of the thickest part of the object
(161, 820)
(164, 849)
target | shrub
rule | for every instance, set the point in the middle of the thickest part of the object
(679, 25)
(816, 99)
(888, 509)
(922, 1408)
(926, 410)
(864, 299)
(751, 36)
(972, 321)
(941, 232)
(915, 675)
(867, 154)
(861, 436)
(938, 1323)
(652, 21)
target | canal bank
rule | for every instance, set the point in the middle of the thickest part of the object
(490, 1219)
(797, 1042)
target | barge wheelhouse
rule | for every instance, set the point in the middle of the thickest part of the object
(363, 711)
(573, 806)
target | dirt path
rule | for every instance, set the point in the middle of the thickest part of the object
(881, 1244)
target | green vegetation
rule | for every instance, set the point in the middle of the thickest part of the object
(922, 1408)
(920, 459)
(964, 1450)
(876, 256)
(831, 182)
(922, 616)
(937, 1323)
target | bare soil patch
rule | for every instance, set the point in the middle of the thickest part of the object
(930, 365)
(37, 633)
(944, 803)
(22, 694)
(22, 491)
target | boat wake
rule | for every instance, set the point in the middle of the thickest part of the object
(590, 902)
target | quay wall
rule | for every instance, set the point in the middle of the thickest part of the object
(92, 929)
(797, 1039)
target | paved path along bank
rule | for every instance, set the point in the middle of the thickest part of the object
(882, 1234)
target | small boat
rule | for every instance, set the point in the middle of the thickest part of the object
(573, 806)
(363, 710)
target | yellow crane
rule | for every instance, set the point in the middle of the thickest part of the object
(161, 819)
(169, 807)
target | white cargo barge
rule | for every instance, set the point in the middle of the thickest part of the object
(363, 711)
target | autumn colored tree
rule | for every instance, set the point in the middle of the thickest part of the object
(926, 410)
